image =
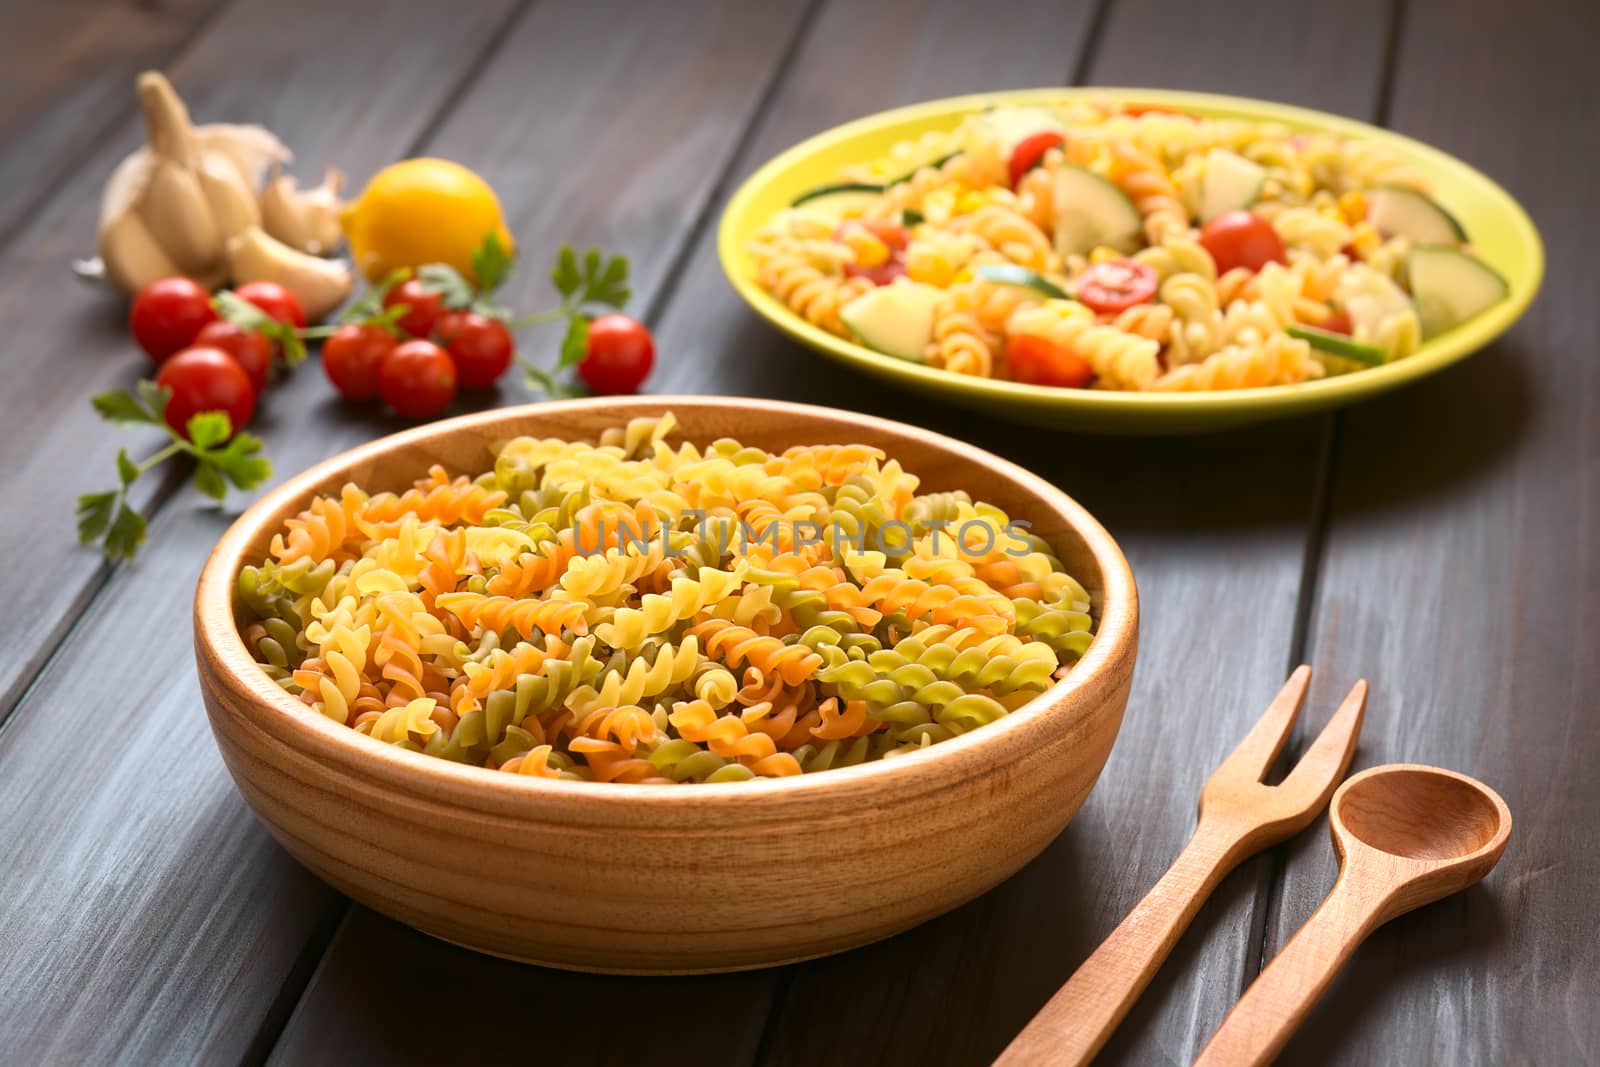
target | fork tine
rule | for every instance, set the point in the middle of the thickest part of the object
(1322, 768)
(1249, 762)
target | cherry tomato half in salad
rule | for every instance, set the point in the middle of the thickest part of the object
(882, 274)
(168, 314)
(481, 346)
(620, 355)
(422, 307)
(1337, 322)
(351, 359)
(251, 349)
(1240, 239)
(278, 302)
(1116, 284)
(206, 379)
(1040, 361)
(417, 379)
(1030, 150)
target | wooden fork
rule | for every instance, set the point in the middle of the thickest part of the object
(1239, 816)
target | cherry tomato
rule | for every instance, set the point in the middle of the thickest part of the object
(417, 379)
(480, 346)
(1030, 150)
(423, 307)
(252, 349)
(1152, 109)
(352, 357)
(206, 379)
(168, 313)
(882, 274)
(278, 302)
(1116, 284)
(1337, 322)
(620, 355)
(1240, 239)
(1040, 361)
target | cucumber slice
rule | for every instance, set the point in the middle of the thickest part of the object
(1013, 274)
(1232, 183)
(1090, 211)
(1400, 212)
(896, 319)
(912, 173)
(835, 189)
(1009, 126)
(1451, 286)
(1337, 344)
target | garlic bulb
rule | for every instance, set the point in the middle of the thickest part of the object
(171, 206)
(320, 285)
(307, 219)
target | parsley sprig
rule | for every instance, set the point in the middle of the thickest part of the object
(221, 458)
(594, 280)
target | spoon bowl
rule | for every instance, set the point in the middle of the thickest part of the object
(1421, 813)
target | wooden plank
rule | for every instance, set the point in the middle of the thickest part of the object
(68, 341)
(1463, 580)
(346, 1014)
(1215, 528)
(111, 950)
(182, 951)
(65, 72)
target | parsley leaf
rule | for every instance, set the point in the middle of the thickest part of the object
(94, 514)
(492, 263)
(565, 275)
(126, 533)
(208, 429)
(368, 308)
(120, 407)
(239, 460)
(127, 469)
(454, 290)
(575, 343)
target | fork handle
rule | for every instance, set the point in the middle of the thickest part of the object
(1258, 1027)
(1076, 1022)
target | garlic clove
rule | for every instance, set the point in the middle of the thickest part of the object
(253, 150)
(231, 201)
(320, 285)
(307, 220)
(173, 206)
(132, 257)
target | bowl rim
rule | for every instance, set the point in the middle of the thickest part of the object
(1435, 354)
(219, 642)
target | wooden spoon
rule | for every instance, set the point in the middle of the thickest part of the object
(1240, 815)
(1406, 836)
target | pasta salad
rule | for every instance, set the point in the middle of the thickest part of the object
(1110, 246)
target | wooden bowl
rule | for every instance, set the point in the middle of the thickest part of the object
(656, 878)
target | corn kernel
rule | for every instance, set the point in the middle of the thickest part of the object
(1353, 206)
(1101, 254)
(930, 268)
(969, 202)
(869, 250)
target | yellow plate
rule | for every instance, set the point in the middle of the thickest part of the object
(1501, 233)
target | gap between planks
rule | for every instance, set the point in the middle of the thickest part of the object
(1269, 899)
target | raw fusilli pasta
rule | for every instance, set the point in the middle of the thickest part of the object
(639, 611)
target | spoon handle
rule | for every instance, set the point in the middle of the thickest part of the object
(1076, 1022)
(1258, 1027)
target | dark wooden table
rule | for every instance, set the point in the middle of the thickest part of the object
(1443, 542)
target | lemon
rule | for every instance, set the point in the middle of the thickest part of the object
(422, 211)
